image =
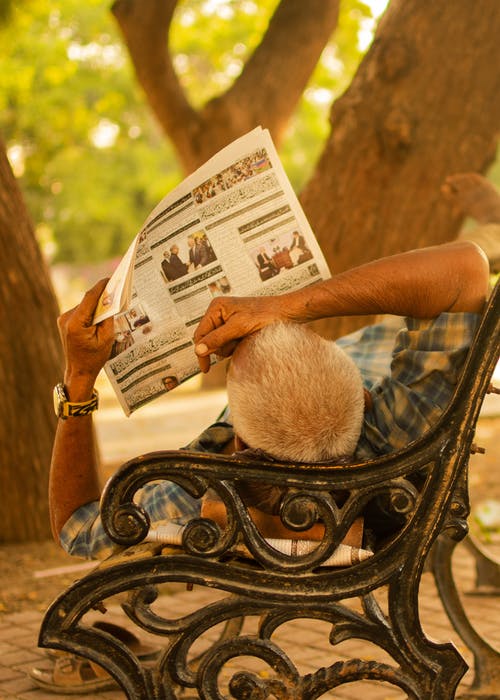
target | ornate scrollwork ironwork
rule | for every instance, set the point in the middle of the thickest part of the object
(300, 510)
(128, 524)
(202, 536)
(286, 682)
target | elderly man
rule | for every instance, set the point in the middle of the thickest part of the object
(382, 405)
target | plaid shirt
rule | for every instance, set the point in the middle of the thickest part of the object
(410, 366)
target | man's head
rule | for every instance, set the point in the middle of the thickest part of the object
(174, 249)
(295, 395)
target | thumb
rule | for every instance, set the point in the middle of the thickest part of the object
(89, 302)
(214, 341)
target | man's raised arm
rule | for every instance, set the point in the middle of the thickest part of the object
(420, 283)
(73, 471)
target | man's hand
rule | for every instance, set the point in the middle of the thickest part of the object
(229, 319)
(86, 346)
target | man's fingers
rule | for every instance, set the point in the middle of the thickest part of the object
(215, 341)
(223, 352)
(204, 334)
(228, 349)
(64, 318)
(225, 323)
(213, 318)
(75, 325)
(106, 330)
(204, 363)
(87, 306)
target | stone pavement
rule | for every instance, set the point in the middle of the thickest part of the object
(305, 641)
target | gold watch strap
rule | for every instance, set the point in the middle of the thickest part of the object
(82, 408)
(64, 408)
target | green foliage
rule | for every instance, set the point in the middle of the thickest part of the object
(211, 41)
(91, 160)
(66, 85)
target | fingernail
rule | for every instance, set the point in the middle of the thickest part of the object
(201, 349)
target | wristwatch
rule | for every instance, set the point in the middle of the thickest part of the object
(64, 408)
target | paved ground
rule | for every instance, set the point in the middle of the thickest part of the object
(306, 641)
(164, 425)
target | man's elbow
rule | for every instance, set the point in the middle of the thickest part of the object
(474, 279)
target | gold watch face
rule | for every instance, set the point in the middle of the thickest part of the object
(59, 397)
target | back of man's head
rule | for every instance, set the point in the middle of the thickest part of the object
(295, 395)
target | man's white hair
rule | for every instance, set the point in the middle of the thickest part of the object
(295, 395)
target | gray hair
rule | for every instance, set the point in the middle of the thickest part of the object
(295, 395)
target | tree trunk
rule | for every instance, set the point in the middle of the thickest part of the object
(31, 365)
(425, 103)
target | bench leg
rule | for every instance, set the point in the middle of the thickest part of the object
(487, 569)
(486, 684)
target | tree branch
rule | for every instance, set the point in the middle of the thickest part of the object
(266, 92)
(274, 78)
(145, 27)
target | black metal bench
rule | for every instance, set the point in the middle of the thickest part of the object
(423, 488)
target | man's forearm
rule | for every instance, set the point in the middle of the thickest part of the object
(73, 477)
(421, 283)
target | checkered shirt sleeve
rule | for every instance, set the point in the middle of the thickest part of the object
(427, 359)
(83, 534)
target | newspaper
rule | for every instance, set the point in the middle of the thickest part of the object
(233, 227)
(343, 555)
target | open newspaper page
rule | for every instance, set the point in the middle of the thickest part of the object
(234, 227)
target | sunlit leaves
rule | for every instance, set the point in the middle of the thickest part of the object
(94, 162)
(211, 40)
